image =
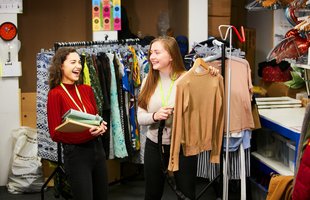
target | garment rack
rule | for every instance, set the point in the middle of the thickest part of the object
(214, 181)
(58, 45)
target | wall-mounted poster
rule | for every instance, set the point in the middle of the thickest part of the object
(106, 15)
(280, 26)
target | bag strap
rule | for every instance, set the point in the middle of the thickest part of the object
(170, 179)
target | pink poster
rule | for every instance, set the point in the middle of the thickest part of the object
(106, 15)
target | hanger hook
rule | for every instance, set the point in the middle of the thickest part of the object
(241, 38)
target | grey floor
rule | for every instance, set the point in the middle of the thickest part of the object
(127, 190)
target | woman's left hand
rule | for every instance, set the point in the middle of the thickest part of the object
(99, 130)
(213, 70)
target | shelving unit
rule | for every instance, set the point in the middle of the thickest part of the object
(306, 68)
(273, 164)
(286, 122)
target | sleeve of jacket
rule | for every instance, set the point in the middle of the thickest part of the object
(177, 130)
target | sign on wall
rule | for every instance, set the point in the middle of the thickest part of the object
(106, 15)
(11, 6)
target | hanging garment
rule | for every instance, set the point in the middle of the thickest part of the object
(86, 75)
(205, 168)
(235, 139)
(116, 128)
(135, 68)
(241, 117)
(130, 145)
(192, 128)
(104, 76)
(130, 63)
(95, 84)
(143, 63)
(47, 149)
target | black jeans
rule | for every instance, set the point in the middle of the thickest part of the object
(155, 178)
(85, 166)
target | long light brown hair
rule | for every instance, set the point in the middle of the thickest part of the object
(55, 73)
(177, 68)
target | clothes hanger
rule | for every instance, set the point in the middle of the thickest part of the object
(255, 6)
(217, 50)
(199, 62)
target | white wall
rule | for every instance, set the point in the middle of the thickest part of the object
(100, 35)
(198, 21)
(262, 22)
(9, 111)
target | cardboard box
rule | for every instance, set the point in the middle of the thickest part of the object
(113, 170)
(219, 8)
(305, 102)
(28, 109)
(113, 167)
(48, 168)
(279, 89)
(213, 24)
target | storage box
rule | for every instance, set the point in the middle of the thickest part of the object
(281, 150)
(113, 167)
(114, 171)
(28, 109)
(279, 89)
(213, 24)
(48, 168)
(265, 142)
(219, 8)
(291, 155)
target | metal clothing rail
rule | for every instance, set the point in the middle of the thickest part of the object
(229, 29)
(219, 178)
(59, 168)
(57, 45)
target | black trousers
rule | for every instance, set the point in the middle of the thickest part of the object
(155, 178)
(85, 166)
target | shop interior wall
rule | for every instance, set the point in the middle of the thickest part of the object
(262, 22)
(178, 10)
(40, 26)
(44, 22)
(144, 15)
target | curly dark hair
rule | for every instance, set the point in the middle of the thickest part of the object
(55, 74)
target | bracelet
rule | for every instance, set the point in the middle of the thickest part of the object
(153, 117)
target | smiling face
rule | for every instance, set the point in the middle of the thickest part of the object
(71, 68)
(160, 57)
